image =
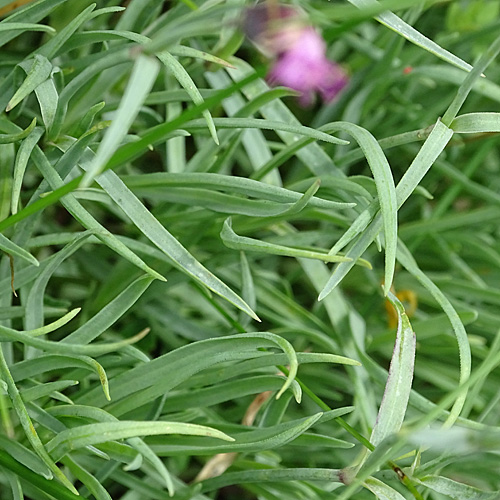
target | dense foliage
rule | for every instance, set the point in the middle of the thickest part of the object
(168, 222)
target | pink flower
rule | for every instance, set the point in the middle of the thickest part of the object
(281, 31)
(303, 66)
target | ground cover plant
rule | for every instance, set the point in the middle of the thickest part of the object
(225, 279)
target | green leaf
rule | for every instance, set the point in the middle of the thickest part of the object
(407, 260)
(84, 217)
(182, 76)
(385, 189)
(456, 490)
(246, 441)
(146, 382)
(93, 485)
(31, 13)
(381, 490)
(232, 240)
(11, 248)
(159, 235)
(141, 81)
(109, 314)
(226, 391)
(44, 330)
(48, 99)
(470, 80)
(270, 475)
(235, 123)
(84, 435)
(46, 389)
(34, 302)
(50, 49)
(10, 138)
(37, 73)
(185, 51)
(55, 347)
(476, 123)
(45, 363)
(22, 158)
(405, 30)
(27, 425)
(397, 390)
(25, 456)
(427, 155)
(138, 444)
(45, 485)
(25, 27)
(147, 184)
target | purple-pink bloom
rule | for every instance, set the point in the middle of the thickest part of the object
(303, 66)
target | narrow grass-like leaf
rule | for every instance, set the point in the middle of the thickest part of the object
(50, 49)
(138, 444)
(106, 10)
(22, 158)
(247, 441)
(110, 313)
(48, 98)
(396, 24)
(84, 435)
(156, 233)
(98, 36)
(300, 130)
(185, 51)
(231, 184)
(466, 86)
(271, 475)
(381, 490)
(15, 485)
(10, 138)
(182, 76)
(247, 288)
(225, 391)
(455, 490)
(92, 484)
(37, 73)
(46, 389)
(54, 347)
(158, 133)
(84, 217)
(148, 381)
(385, 189)
(445, 74)
(27, 424)
(25, 456)
(43, 485)
(34, 301)
(87, 120)
(44, 330)
(29, 14)
(232, 240)
(25, 27)
(476, 123)
(255, 365)
(11, 248)
(407, 260)
(47, 363)
(397, 390)
(141, 80)
(113, 58)
(427, 155)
